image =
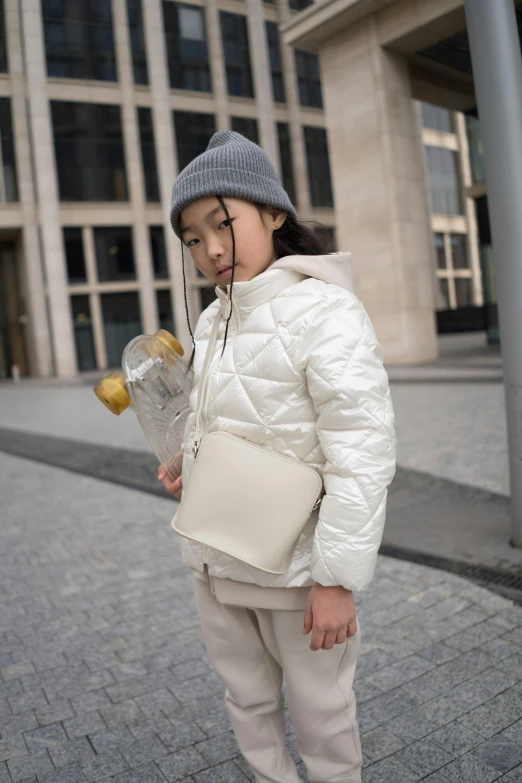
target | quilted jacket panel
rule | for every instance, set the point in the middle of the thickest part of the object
(303, 373)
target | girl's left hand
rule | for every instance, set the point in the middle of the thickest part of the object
(330, 615)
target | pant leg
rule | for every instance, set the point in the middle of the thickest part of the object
(253, 680)
(320, 697)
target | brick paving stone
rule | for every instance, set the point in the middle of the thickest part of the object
(24, 766)
(88, 723)
(104, 764)
(69, 752)
(53, 713)
(184, 762)
(456, 738)
(423, 757)
(115, 737)
(124, 690)
(515, 776)
(389, 771)
(141, 751)
(12, 746)
(157, 702)
(148, 773)
(218, 749)
(45, 737)
(90, 701)
(500, 753)
(121, 713)
(469, 769)
(70, 774)
(5, 777)
(224, 773)
(514, 732)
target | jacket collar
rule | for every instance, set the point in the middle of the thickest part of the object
(249, 294)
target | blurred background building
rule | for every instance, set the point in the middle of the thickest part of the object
(102, 103)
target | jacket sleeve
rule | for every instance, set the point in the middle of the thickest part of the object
(355, 426)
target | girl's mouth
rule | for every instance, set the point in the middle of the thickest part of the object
(225, 272)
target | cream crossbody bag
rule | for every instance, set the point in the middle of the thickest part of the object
(244, 499)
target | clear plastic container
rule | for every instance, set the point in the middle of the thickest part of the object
(157, 382)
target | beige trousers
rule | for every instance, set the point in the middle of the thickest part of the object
(251, 649)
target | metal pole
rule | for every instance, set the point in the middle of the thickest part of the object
(497, 72)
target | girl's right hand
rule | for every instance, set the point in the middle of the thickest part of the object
(174, 487)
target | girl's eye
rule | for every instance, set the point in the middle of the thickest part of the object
(227, 221)
(190, 241)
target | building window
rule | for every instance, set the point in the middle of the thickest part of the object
(463, 292)
(237, 56)
(89, 151)
(159, 252)
(476, 150)
(444, 181)
(276, 64)
(308, 79)
(285, 156)
(79, 40)
(83, 337)
(137, 40)
(444, 293)
(165, 314)
(3, 41)
(114, 254)
(437, 118)
(187, 49)
(440, 251)
(316, 145)
(459, 253)
(247, 126)
(121, 321)
(8, 151)
(148, 153)
(300, 5)
(73, 242)
(193, 133)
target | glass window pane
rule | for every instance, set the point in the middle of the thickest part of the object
(89, 152)
(476, 149)
(193, 133)
(73, 241)
(444, 293)
(8, 151)
(285, 154)
(83, 337)
(79, 40)
(114, 254)
(463, 291)
(148, 153)
(300, 5)
(309, 79)
(459, 253)
(437, 118)
(276, 63)
(440, 251)
(165, 314)
(137, 39)
(247, 126)
(121, 321)
(444, 181)
(316, 145)
(237, 56)
(187, 49)
(159, 252)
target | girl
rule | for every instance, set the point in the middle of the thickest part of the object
(297, 368)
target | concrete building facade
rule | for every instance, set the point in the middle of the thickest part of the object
(101, 104)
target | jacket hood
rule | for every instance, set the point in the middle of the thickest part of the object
(336, 268)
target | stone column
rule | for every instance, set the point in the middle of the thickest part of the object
(47, 188)
(217, 64)
(302, 188)
(134, 168)
(39, 348)
(379, 189)
(261, 73)
(166, 156)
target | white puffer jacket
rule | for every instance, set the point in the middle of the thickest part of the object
(302, 373)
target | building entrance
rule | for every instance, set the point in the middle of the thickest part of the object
(12, 312)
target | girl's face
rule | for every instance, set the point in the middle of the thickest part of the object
(206, 232)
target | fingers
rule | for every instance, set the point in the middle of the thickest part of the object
(317, 639)
(308, 620)
(352, 627)
(329, 640)
(341, 636)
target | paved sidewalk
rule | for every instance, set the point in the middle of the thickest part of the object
(104, 677)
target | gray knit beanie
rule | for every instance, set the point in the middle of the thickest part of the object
(230, 166)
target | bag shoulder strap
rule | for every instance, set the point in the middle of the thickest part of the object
(208, 357)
